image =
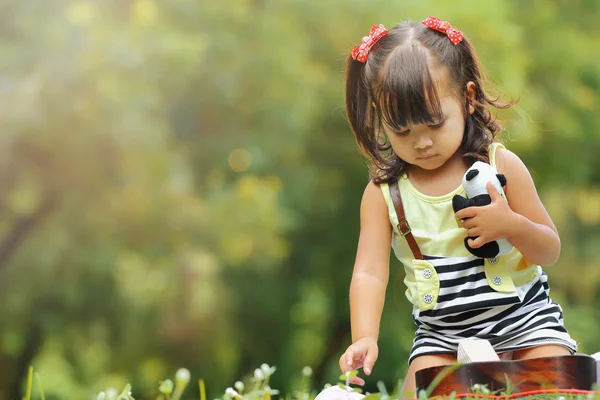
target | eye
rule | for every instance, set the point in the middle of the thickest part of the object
(438, 125)
(402, 133)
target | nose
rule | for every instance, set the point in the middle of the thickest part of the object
(422, 142)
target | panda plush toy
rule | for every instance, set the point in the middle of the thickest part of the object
(474, 182)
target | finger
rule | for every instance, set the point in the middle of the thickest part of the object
(344, 365)
(469, 223)
(349, 357)
(369, 363)
(357, 381)
(493, 192)
(476, 243)
(355, 359)
(347, 361)
(473, 233)
(465, 213)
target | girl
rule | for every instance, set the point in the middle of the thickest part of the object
(421, 115)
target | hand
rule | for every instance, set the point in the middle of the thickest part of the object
(362, 353)
(488, 223)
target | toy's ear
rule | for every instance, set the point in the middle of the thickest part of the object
(501, 179)
(472, 174)
(459, 202)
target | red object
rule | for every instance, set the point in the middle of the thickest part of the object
(437, 24)
(361, 53)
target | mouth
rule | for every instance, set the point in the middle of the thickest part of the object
(426, 157)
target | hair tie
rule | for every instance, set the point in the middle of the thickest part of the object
(361, 53)
(437, 24)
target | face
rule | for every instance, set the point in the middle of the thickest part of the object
(429, 146)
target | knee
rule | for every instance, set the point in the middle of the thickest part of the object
(427, 361)
(549, 350)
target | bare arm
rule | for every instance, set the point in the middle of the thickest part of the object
(371, 268)
(534, 233)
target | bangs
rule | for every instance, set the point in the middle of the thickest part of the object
(407, 94)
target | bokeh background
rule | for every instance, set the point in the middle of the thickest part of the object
(179, 186)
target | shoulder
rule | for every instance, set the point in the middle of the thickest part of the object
(509, 163)
(516, 172)
(374, 203)
(374, 192)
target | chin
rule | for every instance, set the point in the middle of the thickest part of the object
(431, 164)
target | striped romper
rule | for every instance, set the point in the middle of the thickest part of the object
(456, 295)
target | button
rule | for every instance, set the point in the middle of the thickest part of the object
(427, 273)
(493, 260)
(497, 280)
(428, 298)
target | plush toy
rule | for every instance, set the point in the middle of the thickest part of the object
(475, 181)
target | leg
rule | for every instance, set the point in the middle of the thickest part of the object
(422, 362)
(546, 350)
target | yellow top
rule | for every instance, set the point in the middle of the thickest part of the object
(432, 222)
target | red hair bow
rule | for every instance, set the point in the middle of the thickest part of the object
(361, 52)
(437, 24)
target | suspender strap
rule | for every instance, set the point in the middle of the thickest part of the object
(403, 226)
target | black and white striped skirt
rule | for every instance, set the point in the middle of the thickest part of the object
(467, 307)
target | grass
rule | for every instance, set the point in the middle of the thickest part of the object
(259, 389)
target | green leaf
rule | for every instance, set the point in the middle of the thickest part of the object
(373, 396)
(381, 387)
(441, 376)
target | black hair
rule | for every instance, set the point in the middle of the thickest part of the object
(395, 86)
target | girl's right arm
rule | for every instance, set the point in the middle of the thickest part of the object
(369, 280)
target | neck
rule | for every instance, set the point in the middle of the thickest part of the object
(456, 163)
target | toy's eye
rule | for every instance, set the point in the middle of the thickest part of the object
(472, 174)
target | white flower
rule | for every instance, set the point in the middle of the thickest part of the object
(327, 385)
(182, 376)
(307, 371)
(258, 374)
(101, 396)
(231, 392)
(239, 386)
(265, 369)
(166, 387)
(476, 387)
(271, 391)
(268, 371)
(111, 394)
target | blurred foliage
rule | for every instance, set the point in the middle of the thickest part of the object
(180, 186)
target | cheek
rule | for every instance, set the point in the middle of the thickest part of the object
(456, 130)
(399, 145)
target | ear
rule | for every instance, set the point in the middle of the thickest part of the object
(471, 95)
(472, 174)
(501, 179)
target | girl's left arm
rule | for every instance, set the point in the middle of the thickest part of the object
(533, 233)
